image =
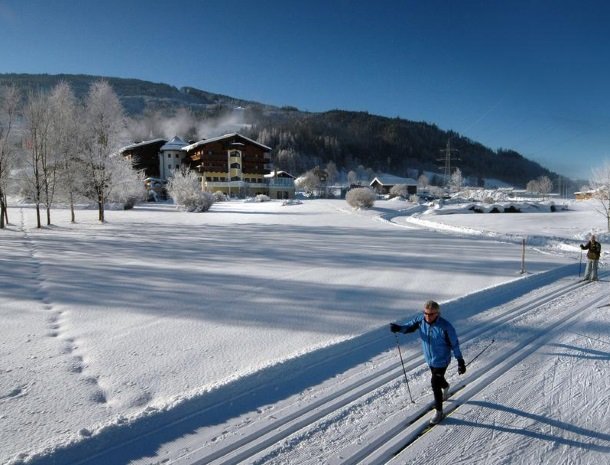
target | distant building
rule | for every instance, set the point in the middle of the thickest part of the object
(232, 164)
(145, 156)
(600, 193)
(171, 157)
(281, 185)
(384, 183)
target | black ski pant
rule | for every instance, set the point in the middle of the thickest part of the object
(438, 384)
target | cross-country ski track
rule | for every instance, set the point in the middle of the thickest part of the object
(393, 435)
(396, 432)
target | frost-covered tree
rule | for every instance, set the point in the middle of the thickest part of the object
(9, 107)
(127, 187)
(352, 177)
(545, 185)
(399, 190)
(37, 122)
(422, 181)
(541, 185)
(361, 197)
(532, 186)
(104, 121)
(66, 139)
(287, 159)
(436, 191)
(332, 173)
(185, 190)
(457, 180)
(600, 186)
(308, 182)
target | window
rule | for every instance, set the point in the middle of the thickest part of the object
(235, 165)
(235, 153)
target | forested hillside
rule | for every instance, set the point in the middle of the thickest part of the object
(390, 145)
(302, 140)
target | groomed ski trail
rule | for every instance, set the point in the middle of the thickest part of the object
(256, 444)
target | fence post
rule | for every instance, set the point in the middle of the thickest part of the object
(523, 256)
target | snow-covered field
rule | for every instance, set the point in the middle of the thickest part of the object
(258, 333)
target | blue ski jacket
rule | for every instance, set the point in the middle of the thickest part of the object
(438, 340)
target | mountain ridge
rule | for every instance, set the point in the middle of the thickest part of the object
(302, 140)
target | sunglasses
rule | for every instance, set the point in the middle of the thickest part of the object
(430, 313)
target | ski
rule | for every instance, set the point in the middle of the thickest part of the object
(429, 425)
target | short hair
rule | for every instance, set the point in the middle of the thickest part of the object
(432, 305)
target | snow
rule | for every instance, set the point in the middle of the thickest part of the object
(169, 337)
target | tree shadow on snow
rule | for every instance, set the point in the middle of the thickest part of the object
(589, 439)
(579, 352)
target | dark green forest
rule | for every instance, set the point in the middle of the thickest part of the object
(303, 140)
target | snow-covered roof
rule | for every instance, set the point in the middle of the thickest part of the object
(225, 136)
(175, 144)
(391, 180)
(279, 174)
(141, 144)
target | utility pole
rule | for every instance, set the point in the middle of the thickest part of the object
(447, 161)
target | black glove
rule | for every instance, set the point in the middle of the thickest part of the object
(395, 328)
(461, 366)
(582, 247)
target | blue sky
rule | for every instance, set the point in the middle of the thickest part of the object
(533, 76)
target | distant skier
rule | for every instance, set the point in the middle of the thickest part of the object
(438, 338)
(594, 251)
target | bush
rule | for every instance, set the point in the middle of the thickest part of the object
(219, 196)
(262, 198)
(361, 197)
(184, 188)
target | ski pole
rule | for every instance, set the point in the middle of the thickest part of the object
(403, 368)
(580, 264)
(477, 356)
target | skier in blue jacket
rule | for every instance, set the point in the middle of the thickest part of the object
(438, 338)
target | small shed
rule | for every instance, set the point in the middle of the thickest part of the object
(383, 183)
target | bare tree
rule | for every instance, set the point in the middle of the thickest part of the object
(600, 185)
(37, 126)
(104, 121)
(9, 106)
